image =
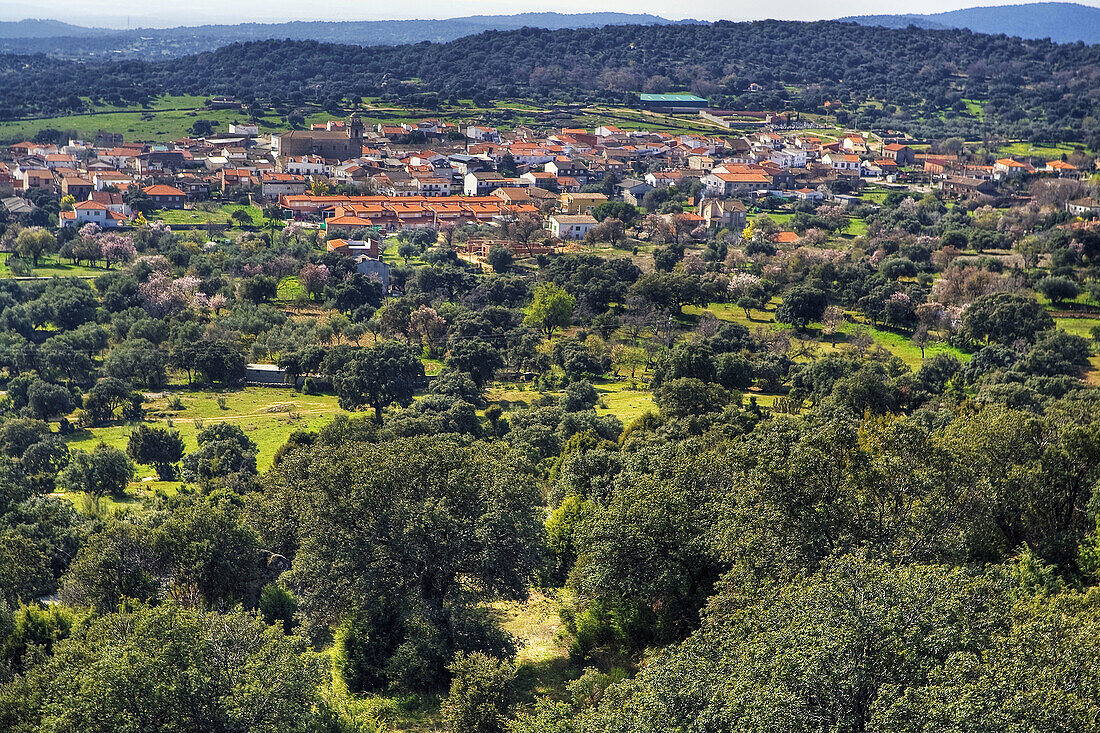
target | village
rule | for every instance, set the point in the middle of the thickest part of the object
(366, 183)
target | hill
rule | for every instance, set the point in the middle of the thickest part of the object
(40, 28)
(73, 42)
(1060, 22)
(932, 83)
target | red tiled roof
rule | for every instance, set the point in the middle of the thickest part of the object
(344, 221)
(162, 190)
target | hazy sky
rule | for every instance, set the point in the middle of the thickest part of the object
(154, 13)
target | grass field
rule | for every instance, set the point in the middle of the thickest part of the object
(290, 289)
(166, 118)
(267, 416)
(779, 217)
(617, 398)
(221, 215)
(1078, 326)
(172, 117)
(975, 108)
(899, 345)
(856, 228)
(623, 401)
(543, 658)
(731, 312)
(874, 194)
(1043, 151)
(633, 119)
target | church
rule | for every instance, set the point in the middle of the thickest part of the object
(340, 144)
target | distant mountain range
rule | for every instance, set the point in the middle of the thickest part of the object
(1060, 22)
(63, 40)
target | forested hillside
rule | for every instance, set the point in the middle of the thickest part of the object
(73, 42)
(881, 77)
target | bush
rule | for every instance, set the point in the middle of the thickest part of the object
(19, 266)
(363, 644)
(481, 694)
(277, 605)
(500, 258)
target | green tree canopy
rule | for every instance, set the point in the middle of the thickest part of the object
(551, 309)
(377, 377)
(169, 668)
(411, 529)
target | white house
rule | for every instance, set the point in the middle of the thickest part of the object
(115, 179)
(1083, 207)
(481, 183)
(663, 179)
(482, 134)
(540, 179)
(854, 143)
(1009, 168)
(842, 161)
(274, 185)
(432, 186)
(91, 212)
(809, 194)
(570, 226)
(306, 165)
(247, 130)
(788, 158)
(425, 157)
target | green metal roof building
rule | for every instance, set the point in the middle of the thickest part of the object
(672, 101)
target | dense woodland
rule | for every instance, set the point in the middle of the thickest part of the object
(917, 79)
(883, 547)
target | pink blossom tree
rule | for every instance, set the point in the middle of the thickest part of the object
(116, 248)
(314, 278)
(218, 302)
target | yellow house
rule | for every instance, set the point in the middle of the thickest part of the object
(581, 203)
